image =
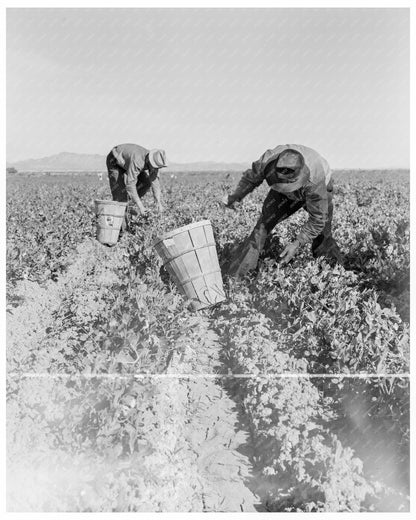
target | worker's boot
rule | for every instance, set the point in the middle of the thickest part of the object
(327, 247)
(324, 244)
(247, 255)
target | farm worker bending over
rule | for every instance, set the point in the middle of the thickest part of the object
(132, 171)
(299, 178)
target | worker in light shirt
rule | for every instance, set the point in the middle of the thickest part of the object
(298, 178)
(132, 171)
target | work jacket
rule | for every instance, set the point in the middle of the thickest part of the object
(314, 193)
(131, 157)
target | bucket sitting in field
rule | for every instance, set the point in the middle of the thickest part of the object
(190, 257)
(110, 215)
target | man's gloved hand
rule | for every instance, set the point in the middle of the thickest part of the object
(289, 252)
(228, 201)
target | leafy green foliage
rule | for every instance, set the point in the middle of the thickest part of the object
(97, 317)
(45, 220)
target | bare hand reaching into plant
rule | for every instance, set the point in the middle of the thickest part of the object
(289, 252)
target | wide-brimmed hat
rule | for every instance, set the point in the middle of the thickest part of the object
(291, 160)
(157, 158)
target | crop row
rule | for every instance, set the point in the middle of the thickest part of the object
(92, 442)
(116, 315)
(294, 421)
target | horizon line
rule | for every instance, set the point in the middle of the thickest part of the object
(11, 163)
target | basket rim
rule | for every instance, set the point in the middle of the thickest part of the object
(108, 201)
(176, 231)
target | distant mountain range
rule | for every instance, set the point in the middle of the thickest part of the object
(65, 161)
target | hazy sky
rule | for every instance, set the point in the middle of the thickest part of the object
(210, 84)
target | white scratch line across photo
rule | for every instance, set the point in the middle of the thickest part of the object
(213, 376)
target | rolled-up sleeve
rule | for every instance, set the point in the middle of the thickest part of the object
(317, 207)
(156, 188)
(132, 172)
(251, 178)
(248, 182)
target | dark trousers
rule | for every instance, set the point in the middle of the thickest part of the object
(276, 208)
(117, 183)
(116, 179)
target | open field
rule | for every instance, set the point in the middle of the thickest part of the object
(121, 399)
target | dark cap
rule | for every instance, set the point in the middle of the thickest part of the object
(290, 159)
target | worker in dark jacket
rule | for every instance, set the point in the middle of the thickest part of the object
(132, 171)
(299, 178)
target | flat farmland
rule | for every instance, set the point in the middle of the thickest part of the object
(292, 395)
